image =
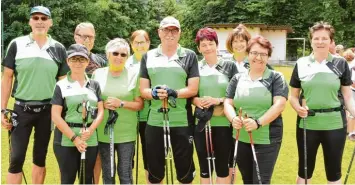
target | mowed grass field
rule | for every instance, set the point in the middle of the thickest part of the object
(285, 170)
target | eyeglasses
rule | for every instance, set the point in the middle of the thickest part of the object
(264, 56)
(43, 18)
(139, 43)
(121, 54)
(78, 60)
(84, 37)
(172, 31)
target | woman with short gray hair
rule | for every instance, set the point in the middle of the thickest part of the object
(120, 93)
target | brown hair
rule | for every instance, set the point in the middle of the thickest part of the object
(139, 32)
(239, 31)
(322, 26)
(263, 42)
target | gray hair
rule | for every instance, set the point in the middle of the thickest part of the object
(115, 44)
(84, 25)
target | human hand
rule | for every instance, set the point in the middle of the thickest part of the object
(80, 144)
(5, 122)
(237, 123)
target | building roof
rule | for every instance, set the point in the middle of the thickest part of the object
(259, 25)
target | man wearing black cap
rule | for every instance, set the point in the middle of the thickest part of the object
(170, 71)
(36, 62)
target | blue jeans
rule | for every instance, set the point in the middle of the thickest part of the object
(125, 154)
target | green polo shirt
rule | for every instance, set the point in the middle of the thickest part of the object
(36, 69)
(214, 81)
(70, 94)
(173, 72)
(320, 87)
(255, 97)
(133, 64)
(125, 88)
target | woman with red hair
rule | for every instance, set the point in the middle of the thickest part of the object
(215, 74)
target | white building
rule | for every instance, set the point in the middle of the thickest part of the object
(275, 34)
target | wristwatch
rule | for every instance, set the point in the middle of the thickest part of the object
(3, 110)
(257, 121)
(121, 104)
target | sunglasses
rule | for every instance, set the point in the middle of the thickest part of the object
(121, 54)
(78, 60)
(43, 18)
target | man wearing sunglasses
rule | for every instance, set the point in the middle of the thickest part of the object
(85, 34)
(169, 71)
(35, 62)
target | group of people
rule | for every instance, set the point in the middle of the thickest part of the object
(229, 108)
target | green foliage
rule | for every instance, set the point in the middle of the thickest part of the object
(118, 18)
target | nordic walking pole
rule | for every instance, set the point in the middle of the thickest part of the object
(137, 148)
(110, 129)
(254, 153)
(208, 154)
(84, 116)
(14, 123)
(169, 152)
(240, 114)
(212, 150)
(305, 150)
(349, 168)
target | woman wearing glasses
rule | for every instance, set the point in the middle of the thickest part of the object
(76, 133)
(322, 79)
(261, 93)
(140, 45)
(120, 93)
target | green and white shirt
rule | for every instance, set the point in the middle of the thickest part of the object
(214, 81)
(320, 88)
(36, 69)
(133, 64)
(255, 97)
(173, 72)
(124, 87)
(70, 95)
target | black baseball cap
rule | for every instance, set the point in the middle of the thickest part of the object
(78, 50)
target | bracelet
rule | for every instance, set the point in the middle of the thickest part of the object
(73, 138)
(257, 121)
(3, 111)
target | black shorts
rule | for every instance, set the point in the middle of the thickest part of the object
(182, 145)
(266, 155)
(69, 161)
(20, 137)
(222, 151)
(332, 141)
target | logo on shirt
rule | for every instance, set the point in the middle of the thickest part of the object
(69, 87)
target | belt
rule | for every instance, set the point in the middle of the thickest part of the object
(80, 125)
(31, 103)
(328, 110)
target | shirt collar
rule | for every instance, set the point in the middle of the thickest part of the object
(87, 81)
(180, 51)
(49, 39)
(328, 59)
(266, 74)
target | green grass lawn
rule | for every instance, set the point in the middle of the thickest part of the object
(285, 170)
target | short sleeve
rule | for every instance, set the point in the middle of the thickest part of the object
(97, 90)
(345, 79)
(137, 92)
(10, 57)
(143, 67)
(57, 98)
(279, 86)
(230, 92)
(193, 70)
(63, 67)
(295, 81)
